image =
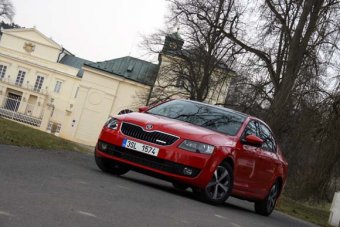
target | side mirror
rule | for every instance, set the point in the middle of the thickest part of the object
(253, 141)
(143, 109)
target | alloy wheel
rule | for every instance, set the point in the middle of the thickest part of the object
(219, 185)
(272, 197)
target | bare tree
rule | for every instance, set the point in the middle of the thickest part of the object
(6, 10)
(196, 60)
(288, 71)
(287, 32)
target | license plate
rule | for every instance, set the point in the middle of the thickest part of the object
(146, 149)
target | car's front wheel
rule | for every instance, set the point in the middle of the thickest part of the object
(110, 166)
(265, 207)
(220, 185)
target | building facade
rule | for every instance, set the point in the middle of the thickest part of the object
(46, 87)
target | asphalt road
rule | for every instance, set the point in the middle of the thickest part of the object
(48, 188)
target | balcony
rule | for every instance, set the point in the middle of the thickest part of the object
(16, 109)
(24, 85)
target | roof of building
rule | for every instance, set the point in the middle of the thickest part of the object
(175, 35)
(130, 68)
(75, 62)
(19, 30)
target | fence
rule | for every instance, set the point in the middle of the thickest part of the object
(14, 108)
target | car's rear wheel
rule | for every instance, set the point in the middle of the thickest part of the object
(220, 185)
(110, 166)
(265, 207)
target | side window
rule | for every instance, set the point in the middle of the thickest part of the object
(268, 139)
(260, 130)
(251, 129)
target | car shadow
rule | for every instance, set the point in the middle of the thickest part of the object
(170, 189)
(232, 204)
(188, 194)
(184, 193)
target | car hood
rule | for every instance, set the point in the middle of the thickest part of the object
(178, 128)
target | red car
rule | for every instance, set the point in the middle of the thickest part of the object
(216, 151)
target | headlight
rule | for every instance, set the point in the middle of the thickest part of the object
(112, 124)
(196, 147)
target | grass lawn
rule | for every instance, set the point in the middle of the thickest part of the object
(13, 133)
(316, 214)
(20, 135)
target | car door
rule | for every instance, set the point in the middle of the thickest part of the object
(246, 161)
(267, 159)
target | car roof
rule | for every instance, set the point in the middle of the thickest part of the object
(218, 107)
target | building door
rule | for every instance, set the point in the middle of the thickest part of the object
(13, 102)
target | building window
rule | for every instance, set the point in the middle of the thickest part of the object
(179, 82)
(57, 86)
(53, 127)
(20, 78)
(3, 69)
(38, 83)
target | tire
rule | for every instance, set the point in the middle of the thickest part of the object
(110, 166)
(265, 207)
(180, 186)
(218, 189)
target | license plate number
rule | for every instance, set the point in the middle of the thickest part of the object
(146, 149)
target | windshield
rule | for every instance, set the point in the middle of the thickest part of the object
(202, 115)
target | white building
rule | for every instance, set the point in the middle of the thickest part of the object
(46, 87)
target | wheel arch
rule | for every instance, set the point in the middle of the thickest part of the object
(280, 181)
(230, 161)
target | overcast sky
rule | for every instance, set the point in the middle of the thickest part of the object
(95, 30)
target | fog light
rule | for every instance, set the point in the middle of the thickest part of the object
(187, 171)
(102, 146)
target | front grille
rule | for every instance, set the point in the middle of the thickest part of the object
(149, 161)
(155, 137)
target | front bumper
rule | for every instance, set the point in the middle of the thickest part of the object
(175, 164)
(148, 160)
